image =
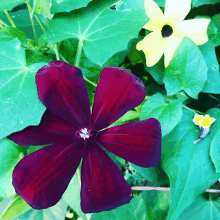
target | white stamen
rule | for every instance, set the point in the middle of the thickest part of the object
(84, 133)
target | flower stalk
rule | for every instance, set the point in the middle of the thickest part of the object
(79, 53)
(3, 23)
(10, 19)
(149, 188)
(32, 21)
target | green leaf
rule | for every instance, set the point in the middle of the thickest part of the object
(10, 4)
(15, 208)
(187, 164)
(157, 204)
(67, 5)
(202, 209)
(33, 57)
(161, 3)
(197, 3)
(9, 33)
(72, 195)
(215, 151)
(102, 31)
(213, 80)
(214, 30)
(19, 102)
(127, 117)
(169, 115)
(42, 7)
(9, 157)
(186, 71)
(136, 210)
(22, 21)
(157, 71)
(147, 173)
(57, 212)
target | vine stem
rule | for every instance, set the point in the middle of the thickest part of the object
(3, 23)
(56, 52)
(41, 24)
(10, 19)
(32, 20)
(79, 53)
(166, 189)
(214, 98)
(79, 175)
(192, 110)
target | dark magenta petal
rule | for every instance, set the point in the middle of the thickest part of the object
(138, 142)
(52, 129)
(103, 185)
(117, 92)
(63, 91)
(42, 177)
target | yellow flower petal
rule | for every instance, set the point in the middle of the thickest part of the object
(153, 57)
(153, 25)
(153, 11)
(195, 29)
(170, 45)
(197, 118)
(152, 46)
(176, 10)
(150, 42)
(206, 122)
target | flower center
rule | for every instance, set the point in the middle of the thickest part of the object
(166, 31)
(86, 135)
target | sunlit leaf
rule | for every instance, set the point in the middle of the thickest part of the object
(19, 102)
(168, 114)
(9, 157)
(188, 165)
(187, 70)
(67, 5)
(102, 31)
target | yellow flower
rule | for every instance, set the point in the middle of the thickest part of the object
(169, 29)
(203, 121)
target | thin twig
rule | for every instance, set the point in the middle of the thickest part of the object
(193, 110)
(166, 189)
(79, 53)
(56, 51)
(10, 19)
(32, 21)
(214, 98)
(41, 24)
(3, 23)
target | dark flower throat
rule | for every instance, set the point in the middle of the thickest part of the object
(166, 31)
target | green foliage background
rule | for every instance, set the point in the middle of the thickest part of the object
(93, 34)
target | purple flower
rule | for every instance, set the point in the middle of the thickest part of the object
(42, 177)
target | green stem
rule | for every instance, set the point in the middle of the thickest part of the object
(79, 175)
(56, 52)
(214, 97)
(210, 196)
(79, 53)
(63, 58)
(10, 19)
(92, 83)
(1, 26)
(193, 110)
(32, 21)
(41, 24)
(3, 23)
